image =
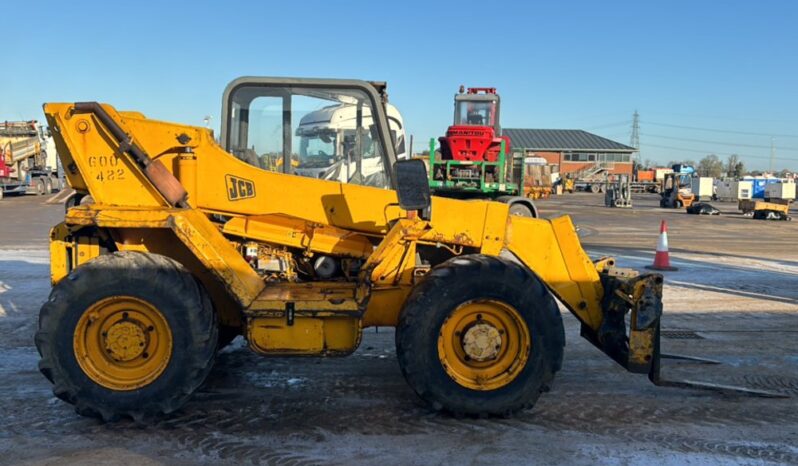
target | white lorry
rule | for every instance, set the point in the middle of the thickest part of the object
(28, 161)
(328, 140)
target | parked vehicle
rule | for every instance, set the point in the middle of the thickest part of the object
(26, 165)
(475, 160)
(677, 188)
(327, 140)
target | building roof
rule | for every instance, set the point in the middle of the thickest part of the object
(562, 140)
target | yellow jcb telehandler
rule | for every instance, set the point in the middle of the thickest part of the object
(173, 246)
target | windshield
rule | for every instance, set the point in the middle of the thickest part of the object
(478, 113)
(317, 150)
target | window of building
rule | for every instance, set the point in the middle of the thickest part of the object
(596, 157)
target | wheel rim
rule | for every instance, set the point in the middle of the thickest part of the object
(484, 345)
(123, 343)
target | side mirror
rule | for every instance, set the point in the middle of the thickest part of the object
(412, 186)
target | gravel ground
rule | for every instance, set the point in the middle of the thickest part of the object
(734, 299)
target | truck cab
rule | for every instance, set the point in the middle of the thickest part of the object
(477, 107)
(328, 138)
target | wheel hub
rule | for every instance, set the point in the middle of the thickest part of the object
(125, 341)
(122, 343)
(482, 342)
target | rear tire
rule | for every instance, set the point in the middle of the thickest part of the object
(112, 378)
(55, 184)
(422, 335)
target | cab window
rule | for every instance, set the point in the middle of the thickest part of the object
(307, 131)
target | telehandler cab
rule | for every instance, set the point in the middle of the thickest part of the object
(178, 245)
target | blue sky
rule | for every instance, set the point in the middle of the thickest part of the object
(726, 66)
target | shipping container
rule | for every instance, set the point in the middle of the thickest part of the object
(759, 184)
(645, 175)
(782, 190)
(659, 173)
(703, 187)
(734, 191)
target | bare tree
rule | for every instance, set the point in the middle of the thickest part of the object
(710, 165)
(734, 167)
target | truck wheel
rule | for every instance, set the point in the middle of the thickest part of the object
(40, 187)
(594, 188)
(127, 335)
(48, 186)
(521, 210)
(480, 336)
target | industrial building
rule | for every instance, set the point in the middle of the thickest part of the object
(572, 150)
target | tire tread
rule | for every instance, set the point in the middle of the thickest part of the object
(416, 314)
(202, 326)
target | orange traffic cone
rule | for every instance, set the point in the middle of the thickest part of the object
(662, 260)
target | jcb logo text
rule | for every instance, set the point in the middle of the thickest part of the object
(239, 188)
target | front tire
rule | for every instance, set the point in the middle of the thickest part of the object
(480, 336)
(521, 210)
(40, 187)
(127, 335)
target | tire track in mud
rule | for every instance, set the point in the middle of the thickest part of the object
(213, 434)
(242, 449)
(221, 423)
(231, 434)
(233, 419)
(778, 383)
(636, 423)
(601, 417)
